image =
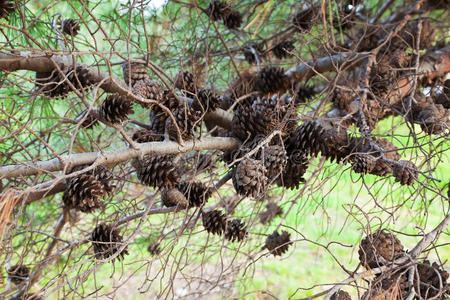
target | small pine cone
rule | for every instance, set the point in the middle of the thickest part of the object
(148, 89)
(83, 193)
(342, 99)
(271, 80)
(205, 101)
(274, 158)
(154, 249)
(185, 81)
(400, 59)
(217, 9)
(79, 77)
(278, 244)
(6, 7)
(214, 222)
(91, 120)
(303, 93)
(295, 169)
(196, 193)
(249, 177)
(188, 121)
(70, 26)
(284, 49)
(54, 84)
(434, 119)
(107, 241)
(272, 210)
(133, 72)
(303, 20)
(170, 101)
(308, 137)
(253, 52)
(173, 197)
(405, 172)
(379, 248)
(157, 170)
(18, 273)
(233, 19)
(430, 279)
(235, 230)
(116, 108)
(363, 163)
(341, 295)
(157, 125)
(146, 136)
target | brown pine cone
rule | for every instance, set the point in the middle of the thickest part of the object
(233, 19)
(405, 172)
(274, 158)
(214, 222)
(235, 230)
(70, 27)
(133, 72)
(379, 248)
(296, 167)
(154, 249)
(185, 81)
(431, 276)
(341, 295)
(303, 94)
(6, 7)
(107, 241)
(116, 108)
(271, 80)
(196, 193)
(157, 170)
(148, 89)
(284, 49)
(205, 101)
(304, 19)
(363, 163)
(188, 121)
(84, 193)
(272, 211)
(90, 121)
(249, 177)
(278, 244)
(146, 136)
(434, 119)
(18, 273)
(173, 197)
(342, 99)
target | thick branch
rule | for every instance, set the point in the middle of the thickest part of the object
(117, 156)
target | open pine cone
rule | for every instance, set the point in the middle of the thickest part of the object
(278, 244)
(107, 241)
(379, 248)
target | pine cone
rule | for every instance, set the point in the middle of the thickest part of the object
(157, 170)
(235, 230)
(54, 84)
(400, 59)
(379, 248)
(303, 20)
(107, 241)
(272, 210)
(146, 136)
(18, 273)
(157, 125)
(249, 177)
(363, 163)
(217, 9)
(205, 101)
(303, 93)
(274, 158)
(308, 138)
(295, 169)
(271, 80)
(196, 193)
(434, 119)
(90, 122)
(278, 244)
(173, 197)
(154, 249)
(405, 172)
(233, 19)
(6, 7)
(70, 27)
(83, 193)
(341, 295)
(214, 222)
(284, 49)
(100, 173)
(116, 108)
(185, 81)
(430, 279)
(252, 51)
(262, 118)
(240, 86)
(133, 72)
(342, 99)
(188, 121)
(158, 115)
(148, 89)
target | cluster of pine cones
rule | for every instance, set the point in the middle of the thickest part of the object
(381, 248)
